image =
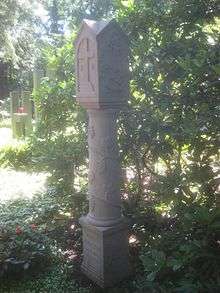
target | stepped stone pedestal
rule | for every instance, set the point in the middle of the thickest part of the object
(102, 88)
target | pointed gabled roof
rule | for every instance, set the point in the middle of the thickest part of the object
(96, 26)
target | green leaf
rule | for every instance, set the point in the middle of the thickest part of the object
(151, 277)
(128, 3)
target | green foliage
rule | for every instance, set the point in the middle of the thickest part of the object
(169, 134)
(24, 245)
(59, 144)
(184, 257)
(76, 11)
(168, 138)
(17, 156)
(56, 279)
(17, 28)
(36, 232)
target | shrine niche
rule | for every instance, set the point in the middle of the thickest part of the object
(102, 72)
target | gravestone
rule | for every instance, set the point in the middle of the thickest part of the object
(21, 113)
(27, 105)
(19, 121)
(38, 74)
(14, 105)
(102, 88)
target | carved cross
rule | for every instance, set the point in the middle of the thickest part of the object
(86, 66)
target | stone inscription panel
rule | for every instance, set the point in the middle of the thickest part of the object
(92, 249)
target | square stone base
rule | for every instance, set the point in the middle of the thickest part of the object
(105, 253)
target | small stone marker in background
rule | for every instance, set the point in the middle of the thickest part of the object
(21, 113)
(102, 88)
(38, 74)
(27, 105)
(14, 105)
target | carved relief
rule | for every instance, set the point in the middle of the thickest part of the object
(91, 131)
(91, 176)
(86, 68)
(107, 147)
(92, 204)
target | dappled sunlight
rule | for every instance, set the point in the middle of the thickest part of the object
(5, 136)
(18, 184)
(133, 240)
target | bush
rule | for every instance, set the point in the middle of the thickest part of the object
(34, 232)
(24, 241)
(184, 257)
(17, 156)
(55, 279)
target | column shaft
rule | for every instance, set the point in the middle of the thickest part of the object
(104, 168)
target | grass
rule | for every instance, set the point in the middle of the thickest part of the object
(5, 123)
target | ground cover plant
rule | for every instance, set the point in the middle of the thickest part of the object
(169, 150)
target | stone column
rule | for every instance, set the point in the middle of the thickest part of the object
(104, 229)
(102, 88)
(104, 168)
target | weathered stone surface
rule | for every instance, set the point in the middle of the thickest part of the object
(14, 104)
(104, 168)
(105, 253)
(27, 104)
(21, 122)
(14, 99)
(38, 74)
(102, 88)
(102, 65)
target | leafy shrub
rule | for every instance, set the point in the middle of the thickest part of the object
(59, 144)
(34, 232)
(60, 155)
(16, 155)
(55, 279)
(185, 256)
(24, 242)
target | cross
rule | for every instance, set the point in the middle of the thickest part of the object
(85, 66)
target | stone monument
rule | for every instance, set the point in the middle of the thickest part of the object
(38, 74)
(21, 113)
(27, 105)
(102, 88)
(14, 105)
